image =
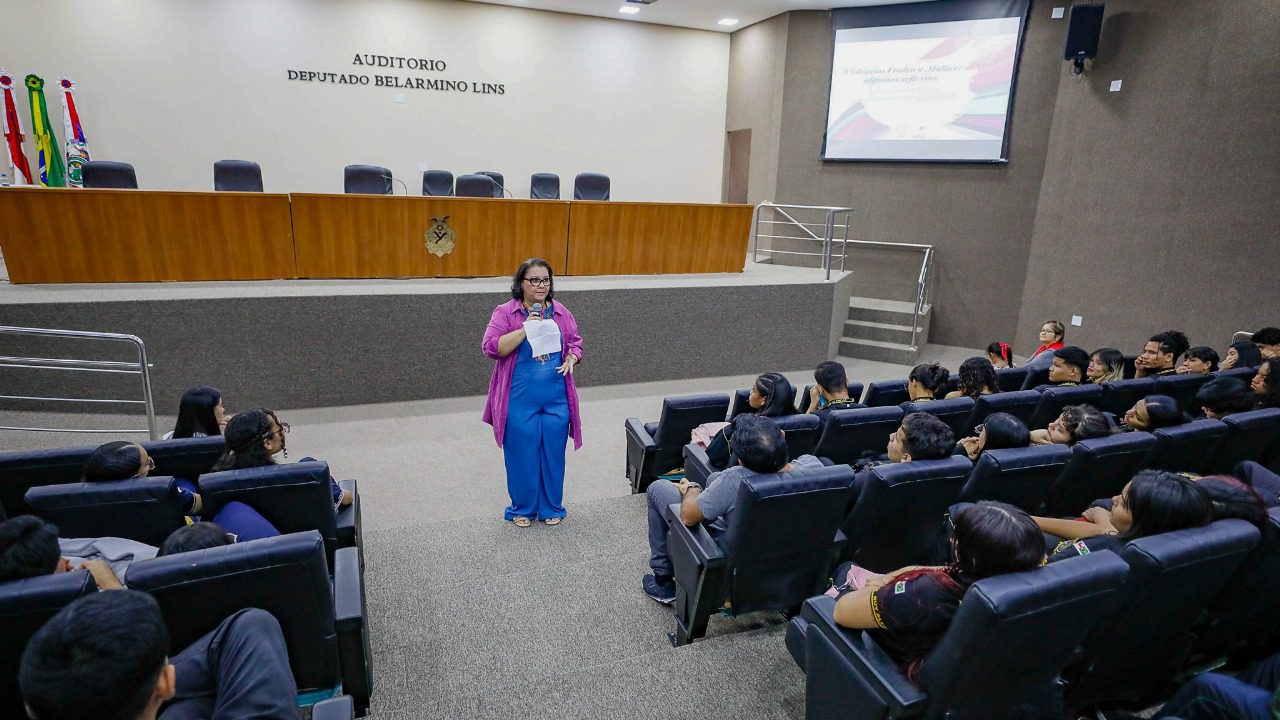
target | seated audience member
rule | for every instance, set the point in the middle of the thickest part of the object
(1105, 365)
(1000, 431)
(771, 396)
(921, 436)
(1069, 366)
(200, 414)
(927, 381)
(1223, 396)
(1241, 354)
(196, 536)
(1160, 354)
(1232, 498)
(1152, 413)
(106, 655)
(1253, 694)
(1153, 502)
(254, 437)
(1052, 334)
(1266, 383)
(122, 460)
(908, 611)
(1076, 423)
(977, 377)
(1000, 355)
(1267, 341)
(830, 390)
(760, 449)
(1199, 360)
(29, 548)
(1263, 481)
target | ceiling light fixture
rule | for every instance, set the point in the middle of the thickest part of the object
(728, 22)
(628, 10)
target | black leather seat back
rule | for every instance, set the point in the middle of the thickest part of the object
(437, 183)
(898, 517)
(884, 394)
(847, 434)
(1035, 378)
(1098, 468)
(1138, 645)
(294, 498)
(954, 412)
(25, 606)
(287, 576)
(237, 176)
(779, 541)
(186, 458)
(366, 180)
(1188, 447)
(680, 415)
(1240, 373)
(109, 174)
(21, 471)
(1018, 476)
(1053, 399)
(1120, 395)
(544, 186)
(1251, 436)
(1182, 388)
(801, 433)
(591, 186)
(1012, 636)
(1246, 611)
(1018, 403)
(142, 509)
(1008, 379)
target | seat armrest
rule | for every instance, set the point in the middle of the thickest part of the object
(696, 539)
(348, 520)
(697, 466)
(337, 708)
(637, 433)
(352, 626)
(868, 660)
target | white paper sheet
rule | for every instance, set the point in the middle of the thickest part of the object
(543, 336)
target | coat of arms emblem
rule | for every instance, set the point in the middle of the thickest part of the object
(440, 237)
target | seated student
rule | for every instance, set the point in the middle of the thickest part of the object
(1069, 366)
(1153, 502)
(1241, 354)
(1052, 335)
(123, 460)
(253, 438)
(1105, 365)
(1267, 341)
(908, 611)
(927, 381)
(29, 548)
(830, 390)
(1076, 423)
(770, 396)
(1152, 413)
(977, 378)
(1000, 355)
(196, 536)
(760, 449)
(1000, 431)
(106, 655)
(1160, 354)
(1266, 384)
(1199, 360)
(921, 436)
(1253, 694)
(200, 414)
(1223, 396)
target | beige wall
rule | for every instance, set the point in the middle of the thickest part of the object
(173, 86)
(756, 72)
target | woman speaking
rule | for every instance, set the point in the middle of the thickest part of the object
(533, 403)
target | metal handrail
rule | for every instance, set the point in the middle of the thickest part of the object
(1240, 336)
(141, 368)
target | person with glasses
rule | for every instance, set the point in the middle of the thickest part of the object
(533, 401)
(254, 438)
(121, 460)
(1000, 431)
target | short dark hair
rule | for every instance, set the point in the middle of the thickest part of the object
(1084, 422)
(195, 412)
(932, 376)
(925, 437)
(245, 434)
(517, 280)
(1074, 356)
(196, 536)
(1266, 336)
(1225, 395)
(977, 375)
(99, 658)
(759, 444)
(1162, 501)
(119, 460)
(831, 377)
(1171, 341)
(1163, 411)
(28, 548)
(1005, 431)
(1206, 354)
(994, 538)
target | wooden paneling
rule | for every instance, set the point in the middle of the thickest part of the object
(371, 236)
(58, 235)
(626, 238)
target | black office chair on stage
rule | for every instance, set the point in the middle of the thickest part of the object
(476, 186)
(499, 182)
(544, 186)
(591, 186)
(437, 183)
(237, 176)
(109, 174)
(366, 180)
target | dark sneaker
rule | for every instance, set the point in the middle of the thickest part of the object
(663, 592)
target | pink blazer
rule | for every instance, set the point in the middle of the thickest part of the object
(510, 316)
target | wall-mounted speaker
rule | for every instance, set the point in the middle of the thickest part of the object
(1084, 28)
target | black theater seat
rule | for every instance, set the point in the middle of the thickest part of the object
(657, 448)
(143, 509)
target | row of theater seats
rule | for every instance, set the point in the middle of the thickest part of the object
(311, 578)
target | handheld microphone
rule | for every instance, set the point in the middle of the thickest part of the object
(536, 310)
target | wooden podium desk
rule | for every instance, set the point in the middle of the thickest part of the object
(385, 236)
(635, 238)
(63, 235)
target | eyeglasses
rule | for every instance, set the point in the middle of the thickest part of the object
(539, 282)
(978, 430)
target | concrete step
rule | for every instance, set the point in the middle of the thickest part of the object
(884, 332)
(877, 310)
(892, 352)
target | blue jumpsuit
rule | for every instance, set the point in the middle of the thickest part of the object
(537, 431)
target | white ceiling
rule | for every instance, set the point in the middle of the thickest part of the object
(697, 14)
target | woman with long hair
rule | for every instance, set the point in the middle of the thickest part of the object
(124, 460)
(772, 395)
(998, 432)
(1105, 365)
(977, 378)
(254, 437)
(1154, 412)
(1266, 384)
(927, 381)
(200, 414)
(1001, 355)
(1241, 354)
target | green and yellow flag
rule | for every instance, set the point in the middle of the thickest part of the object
(50, 155)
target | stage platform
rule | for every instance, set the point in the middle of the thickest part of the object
(320, 343)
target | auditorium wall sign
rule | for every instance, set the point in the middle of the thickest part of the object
(393, 71)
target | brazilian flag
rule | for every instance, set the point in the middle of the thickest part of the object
(51, 173)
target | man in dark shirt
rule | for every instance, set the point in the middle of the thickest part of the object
(1069, 366)
(830, 390)
(1160, 354)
